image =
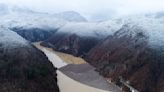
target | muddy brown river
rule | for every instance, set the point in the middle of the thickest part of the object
(65, 83)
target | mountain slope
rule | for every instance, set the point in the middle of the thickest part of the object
(134, 55)
(35, 26)
(79, 38)
(24, 68)
(31, 25)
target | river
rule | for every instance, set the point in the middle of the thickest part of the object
(65, 83)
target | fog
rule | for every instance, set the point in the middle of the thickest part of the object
(92, 9)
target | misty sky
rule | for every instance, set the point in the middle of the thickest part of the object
(94, 9)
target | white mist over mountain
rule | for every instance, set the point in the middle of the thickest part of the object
(95, 10)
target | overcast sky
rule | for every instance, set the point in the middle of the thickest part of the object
(92, 8)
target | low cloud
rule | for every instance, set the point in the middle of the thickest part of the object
(92, 8)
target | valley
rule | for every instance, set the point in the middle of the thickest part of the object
(68, 83)
(66, 52)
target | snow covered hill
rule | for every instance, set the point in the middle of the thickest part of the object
(35, 26)
(153, 27)
(79, 38)
(10, 39)
(17, 17)
(31, 25)
(23, 67)
(13, 16)
(71, 36)
(71, 16)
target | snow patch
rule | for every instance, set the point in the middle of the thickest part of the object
(10, 39)
(71, 16)
(153, 27)
(99, 30)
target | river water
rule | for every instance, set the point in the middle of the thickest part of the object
(65, 83)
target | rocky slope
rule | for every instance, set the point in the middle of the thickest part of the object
(23, 68)
(79, 38)
(135, 54)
